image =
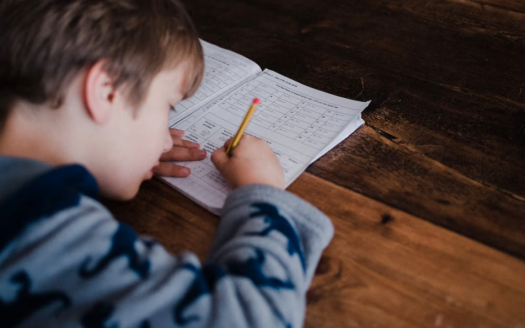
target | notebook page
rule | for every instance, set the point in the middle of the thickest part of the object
(354, 125)
(299, 123)
(223, 71)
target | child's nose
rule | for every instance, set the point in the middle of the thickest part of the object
(168, 142)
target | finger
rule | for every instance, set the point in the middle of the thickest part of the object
(176, 136)
(178, 142)
(244, 137)
(227, 143)
(184, 154)
(189, 144)
(219, 157)
(177, 133)
(185, 143)
(171, 170)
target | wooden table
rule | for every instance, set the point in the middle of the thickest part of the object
(428, 199)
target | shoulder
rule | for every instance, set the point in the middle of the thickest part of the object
(63, 189)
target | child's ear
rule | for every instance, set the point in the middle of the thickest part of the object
(99, 93)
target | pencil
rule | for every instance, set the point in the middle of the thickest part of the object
(243, 126)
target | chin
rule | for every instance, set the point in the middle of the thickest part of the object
(125, 193)
(129, 196)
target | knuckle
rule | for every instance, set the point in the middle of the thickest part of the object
(175, 169)
(194, 152)
(167, 155)
(161, 170)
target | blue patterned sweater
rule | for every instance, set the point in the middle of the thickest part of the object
(66, 262)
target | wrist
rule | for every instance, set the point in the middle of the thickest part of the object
(245, 183)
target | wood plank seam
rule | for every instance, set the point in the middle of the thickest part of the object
(489, 98)
(483, 4)
(393, 138)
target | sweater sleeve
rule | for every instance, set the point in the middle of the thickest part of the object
(81, 268)
(270, 241)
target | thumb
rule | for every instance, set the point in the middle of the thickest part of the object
(227, 143)
(219, 157)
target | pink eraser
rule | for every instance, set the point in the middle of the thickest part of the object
(256, 101)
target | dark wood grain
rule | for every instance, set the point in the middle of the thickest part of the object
(372, 164)
(446, 82)
(427, 199)
(384, 267)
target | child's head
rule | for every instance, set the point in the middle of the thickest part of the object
(101, 73)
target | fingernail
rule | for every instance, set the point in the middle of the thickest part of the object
(202, 152)
(186, 171)
(195, 145)
(179, 132)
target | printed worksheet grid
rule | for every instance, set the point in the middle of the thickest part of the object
(216, 77)
(289, 116)
(199, 187)
(211, 136)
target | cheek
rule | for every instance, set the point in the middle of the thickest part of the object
(159, 136)
(152, 138)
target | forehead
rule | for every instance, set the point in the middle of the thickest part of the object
(180, 79)
(173, 79)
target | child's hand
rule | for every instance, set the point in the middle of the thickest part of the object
(182, 150)
(252, 161)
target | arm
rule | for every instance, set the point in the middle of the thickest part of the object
(270, 242)
(267, 236)
(265, 250)
(80, 267)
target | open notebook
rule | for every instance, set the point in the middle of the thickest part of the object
(300, 123)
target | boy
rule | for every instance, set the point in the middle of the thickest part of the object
(85, 91)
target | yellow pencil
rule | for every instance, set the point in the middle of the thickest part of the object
(243, 126)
